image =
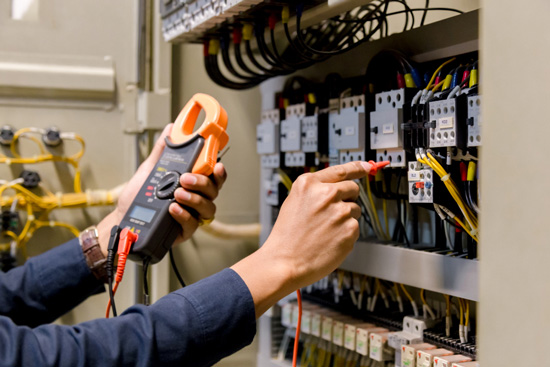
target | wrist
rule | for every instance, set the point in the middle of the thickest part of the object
(267, 277)
(95, 259)
(104, 229)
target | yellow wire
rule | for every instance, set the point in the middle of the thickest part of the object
(461, 311)
(285, 179)
(385, 211)
(422, 297)
(436, 87)
(447, 304)
(9, 234)
(407, 294)
(374, 212)
(467, 303)
(451, 187)
(396, 289)
(437, 71)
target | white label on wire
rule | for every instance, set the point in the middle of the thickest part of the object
(446, 122)
(387, 129)
(349, 130)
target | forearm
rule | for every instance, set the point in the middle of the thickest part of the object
(194, 326)
(47, 286)
(267, 277)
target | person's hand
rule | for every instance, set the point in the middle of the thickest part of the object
(197, 194)
(315, 231)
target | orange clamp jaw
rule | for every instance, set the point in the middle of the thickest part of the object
(213, 130)
(376, 166)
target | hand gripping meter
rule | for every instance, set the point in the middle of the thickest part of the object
(185, 151)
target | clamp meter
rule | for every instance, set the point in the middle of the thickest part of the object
(185, 151)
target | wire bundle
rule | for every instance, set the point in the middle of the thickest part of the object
(302, 48)
(38, 207)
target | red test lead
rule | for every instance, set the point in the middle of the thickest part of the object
(376, 166)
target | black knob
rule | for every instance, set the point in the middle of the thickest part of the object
(167, 185)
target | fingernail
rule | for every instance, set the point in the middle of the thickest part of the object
(177, 209)
(367, 166)
(185, 195)
(189, 179)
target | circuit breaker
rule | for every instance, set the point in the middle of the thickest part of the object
(347, 130)
(267, 139)
(474, 121)
(447, 123)
(291, 136)
(385, 127)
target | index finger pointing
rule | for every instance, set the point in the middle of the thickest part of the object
(343, 172)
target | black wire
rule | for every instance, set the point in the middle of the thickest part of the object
(241, 63)
(333, 52)
(259, 66)
(175, 269)
(146, 262)
(213, 71)
(229, 66)
(296, 65)
(265, 52)
(425, 13)
(111, 250)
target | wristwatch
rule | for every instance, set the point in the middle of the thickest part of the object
(92, 252)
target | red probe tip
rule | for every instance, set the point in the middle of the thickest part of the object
(376, 166)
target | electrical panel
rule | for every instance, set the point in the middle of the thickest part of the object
(419, 214)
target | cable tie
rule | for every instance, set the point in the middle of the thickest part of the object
(474, 232)
(8, 161)
(59, 196)
(446, 177)
(52, 223)
(30, 217)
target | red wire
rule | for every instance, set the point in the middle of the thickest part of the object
(298, 327)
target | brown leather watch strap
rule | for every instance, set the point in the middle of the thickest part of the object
(92, 253)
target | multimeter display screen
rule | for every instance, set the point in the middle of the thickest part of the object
(143, 214)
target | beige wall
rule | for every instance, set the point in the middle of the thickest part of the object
(514, 307)
(238, 201)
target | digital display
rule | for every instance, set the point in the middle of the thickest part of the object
(143, 214)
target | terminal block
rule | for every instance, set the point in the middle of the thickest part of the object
(386, 125)
(421, 182)
(347, 130)
(447, 123)
(474, 121)
(188, 20)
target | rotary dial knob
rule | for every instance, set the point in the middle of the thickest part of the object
(167, 185)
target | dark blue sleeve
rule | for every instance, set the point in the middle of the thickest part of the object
(47, 286)
(194, 326)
